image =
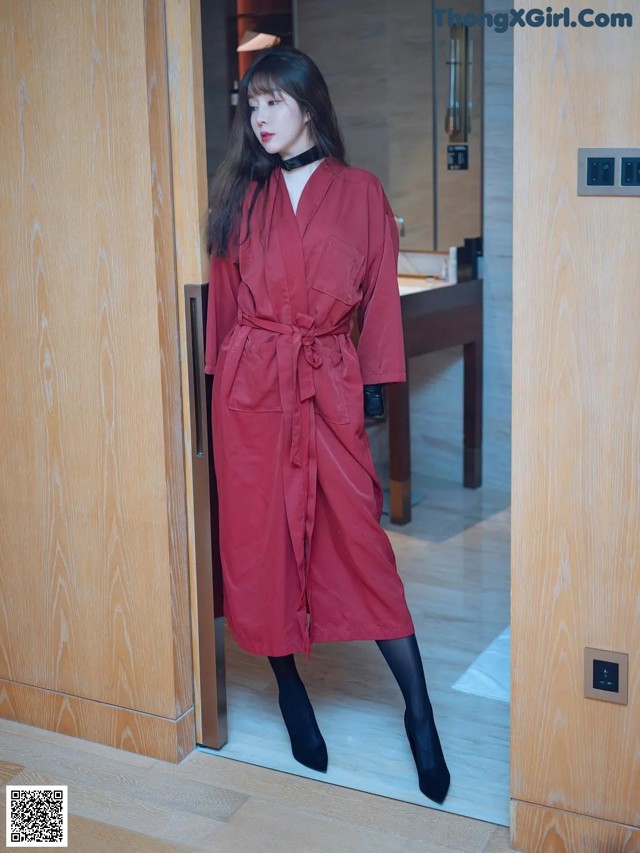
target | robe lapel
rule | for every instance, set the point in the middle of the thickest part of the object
(269, 212)
(288, 241)
(285, 252)
(289, 229)
(313, 193)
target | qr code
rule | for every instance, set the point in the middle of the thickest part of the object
(36, 816)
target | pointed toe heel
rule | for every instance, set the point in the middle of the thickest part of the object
(434, 781)
(308, 747)
(315, 758)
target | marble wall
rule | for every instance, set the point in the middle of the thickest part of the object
(376, 59)
(497, 261)
(436, 380)
(386, 67)
(216, 88)
(458, 193)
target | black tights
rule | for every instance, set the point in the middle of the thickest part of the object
(403, 657)
(307, 743)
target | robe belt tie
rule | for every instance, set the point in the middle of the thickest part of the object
(306, 359)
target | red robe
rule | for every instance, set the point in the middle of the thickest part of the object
(304, 558)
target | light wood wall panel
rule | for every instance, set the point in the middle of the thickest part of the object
(93, 587)
(189, 186)
(168, 306)
(188, 139)
(576, 427)
(130, 730)
(563, 832)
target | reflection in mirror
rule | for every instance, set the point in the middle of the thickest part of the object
(457, 122)
(388, 67)
(389, 71)
(408, 92)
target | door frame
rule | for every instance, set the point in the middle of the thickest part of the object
(174, 41)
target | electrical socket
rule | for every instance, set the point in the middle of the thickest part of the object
(609, 171)
(630, 172)
(600, 171)
(606, 675)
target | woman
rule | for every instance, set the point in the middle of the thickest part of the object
(298, 241)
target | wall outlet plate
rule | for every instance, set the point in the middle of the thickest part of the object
(619, 186)
(606, 675)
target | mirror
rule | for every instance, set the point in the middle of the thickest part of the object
(390, 72)
(407, 88)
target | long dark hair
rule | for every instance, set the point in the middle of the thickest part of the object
(284, 69)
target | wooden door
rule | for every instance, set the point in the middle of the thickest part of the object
(102, 199)
(575, 773)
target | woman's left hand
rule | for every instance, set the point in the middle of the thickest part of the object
(373, 401)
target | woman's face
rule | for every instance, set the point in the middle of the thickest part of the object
(279, 124)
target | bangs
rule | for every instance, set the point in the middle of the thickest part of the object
(263, 83)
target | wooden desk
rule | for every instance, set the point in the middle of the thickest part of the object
(434, 320)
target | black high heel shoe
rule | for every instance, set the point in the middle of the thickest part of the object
(434, 780)
(307, 744)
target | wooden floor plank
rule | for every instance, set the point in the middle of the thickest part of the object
(114, 775)
(122, 802)
(92, 836)
(129, 809)
(343, 805)
(8, 770)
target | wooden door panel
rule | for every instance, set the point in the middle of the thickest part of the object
(92, 510)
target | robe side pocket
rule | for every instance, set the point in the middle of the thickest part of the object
(338, 269)
(255, 385)
(329, 400)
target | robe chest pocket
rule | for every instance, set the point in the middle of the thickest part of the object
(338, 270)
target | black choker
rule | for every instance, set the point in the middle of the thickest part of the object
(309, 156)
